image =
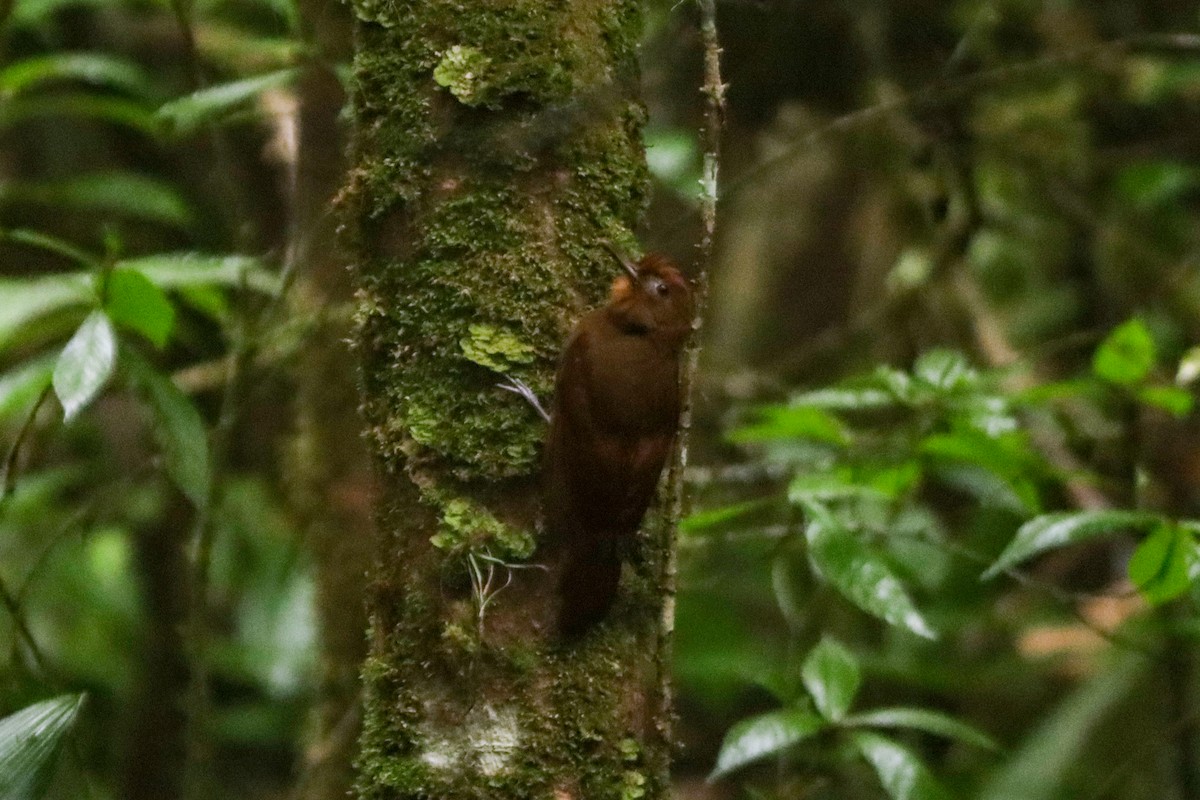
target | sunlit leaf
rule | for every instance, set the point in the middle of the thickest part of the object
(861, 576)
(1126, 355)
(922, 719)
(133, 301)
(719, 517)
(99, 69)
(1162, 563)
(178, 429)
(764, 735)
(902, 774)
(22, 386)
(832, 677)
(1175, 400)
(30, 742)
(186, 114)
(791, 422)
(86, 364)
(27, 300)
(945, 371)
(178, 270)
(829, 486)
(1051, 531)
(845, 399)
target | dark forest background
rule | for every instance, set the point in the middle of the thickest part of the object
(944, 482)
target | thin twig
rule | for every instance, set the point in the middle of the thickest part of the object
(14, 610)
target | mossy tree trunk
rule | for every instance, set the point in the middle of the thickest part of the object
(496, 143)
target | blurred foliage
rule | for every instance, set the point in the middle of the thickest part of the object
(946, 484)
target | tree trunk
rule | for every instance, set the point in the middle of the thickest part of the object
(496, 144)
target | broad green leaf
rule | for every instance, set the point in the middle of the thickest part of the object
(186, 114)
(764, 735)
(1127, 355)
(922, 719)
(178, 429)
(832, 677)
(123, 193)
(27, 300)
(52, 244)
(179, 270)
(826, 487)
(1148, 185)
(791, 422)
(86, 364)
(902, 774)
(99, 69)
(1051, 531)
(30, 741)
(1161, 564)
(719, 517)
(113, 110)
(1175, 400)
(861, 576)
(21, 387)
(134, 301)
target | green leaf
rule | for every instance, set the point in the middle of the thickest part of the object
(1175, 400)
(86, 364)
(829, 486)
(125, 193)
(134, 301)
(1051, 531)
(30, 741)
(860, 575)
(1148, 185)
(922, 719)
(719, 517)
(51, 244)
(1127, 355)
(764, 735)
(178, 429)
(179, 270)
(791, 422)
(902, 774)
(113, 110)
(846, 399)
(187, 114)
(832, 677)
(945, 371)
(20, 388)
(98, 69)
(27, 300)
(1161, 564)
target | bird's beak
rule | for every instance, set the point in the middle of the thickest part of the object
(622, 259)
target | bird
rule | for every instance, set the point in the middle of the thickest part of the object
(612, 423)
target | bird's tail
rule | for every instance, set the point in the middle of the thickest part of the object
(588, 586)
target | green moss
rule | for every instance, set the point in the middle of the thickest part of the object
(466, 526)
(495, 348)
(463, 70)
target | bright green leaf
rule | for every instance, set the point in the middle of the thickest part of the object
(1175, 400)
(20, 388)
(178, 429)
(1051, 531)
(861, 576)
(187, 114)
(922, 719)
(764, 735)
(832, 677)
(134, 301)
(791, 422)
(98, 69)
(719, 517)
(86, 364)
(1161, 564)
(30, 741)
(1127, 355)
(945, 371)
(902, 774)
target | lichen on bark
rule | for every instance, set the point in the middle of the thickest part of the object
(496, 145)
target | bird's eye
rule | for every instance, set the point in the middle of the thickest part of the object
(657, 287)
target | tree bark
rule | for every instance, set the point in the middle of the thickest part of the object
(496, 144)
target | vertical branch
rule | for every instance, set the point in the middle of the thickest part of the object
(713, 90)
